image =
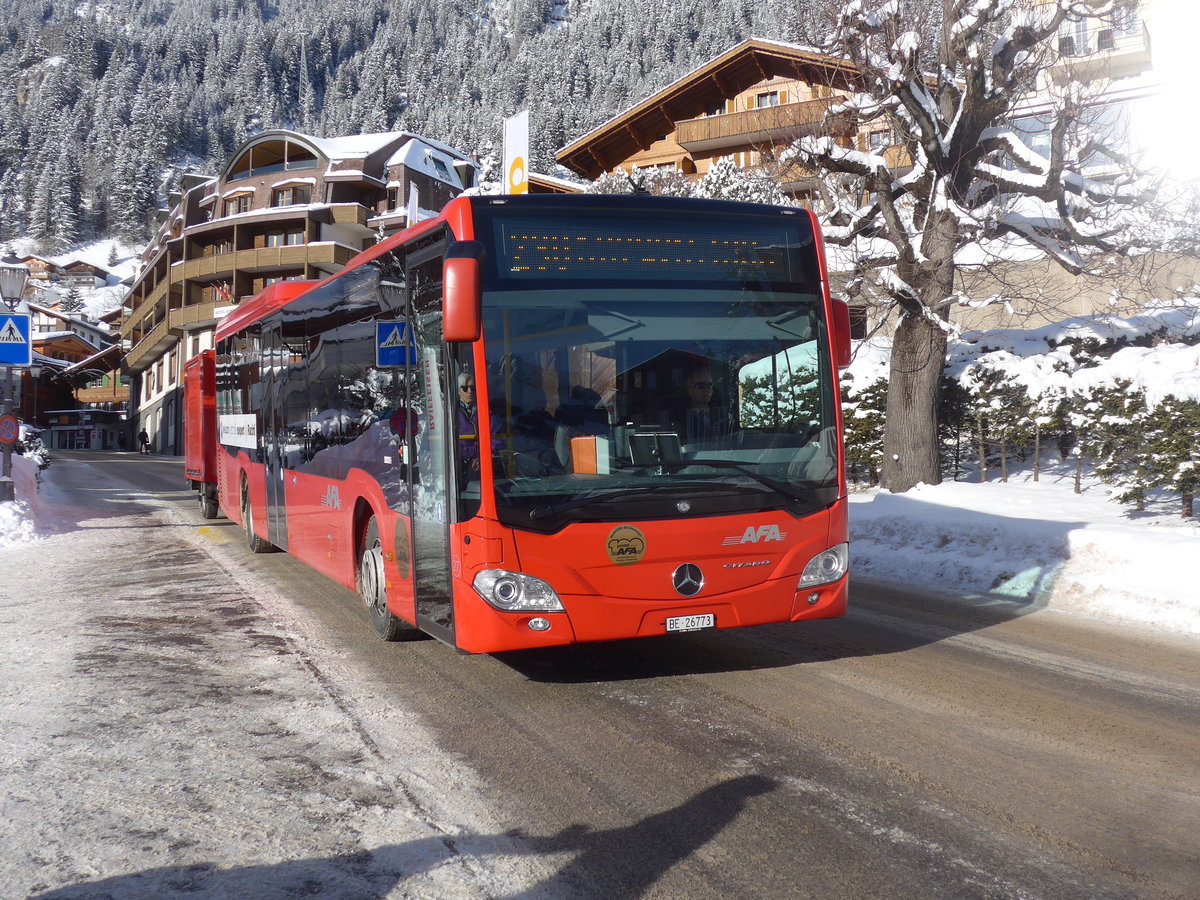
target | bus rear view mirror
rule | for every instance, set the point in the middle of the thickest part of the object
(462, 292)
(841, 333)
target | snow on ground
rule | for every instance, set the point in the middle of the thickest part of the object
(1034, 544)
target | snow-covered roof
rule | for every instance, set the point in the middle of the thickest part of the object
(420, 155)
(94, 358)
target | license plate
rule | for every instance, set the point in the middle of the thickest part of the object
(691, 623)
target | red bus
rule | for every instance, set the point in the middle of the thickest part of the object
(539, 420)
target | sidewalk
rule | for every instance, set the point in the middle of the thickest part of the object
(164, 732)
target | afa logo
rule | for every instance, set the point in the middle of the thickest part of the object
(752, 535)
(626, 545)
(332, 498)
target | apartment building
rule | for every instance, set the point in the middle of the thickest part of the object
(285, 206)
(1130, 70)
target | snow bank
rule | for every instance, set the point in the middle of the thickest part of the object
(1036, 545)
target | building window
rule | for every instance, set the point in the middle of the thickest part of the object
(717, 109)
(290, 196)
(238, 204)
(770, 98)
(286, 239)
(1073, 37)
(877, 140)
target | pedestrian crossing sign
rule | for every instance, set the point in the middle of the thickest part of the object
(16, 349)
(393, 345)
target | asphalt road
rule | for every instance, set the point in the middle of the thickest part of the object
(920, 747)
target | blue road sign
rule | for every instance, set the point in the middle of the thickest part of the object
(392, 344)
(16, 349)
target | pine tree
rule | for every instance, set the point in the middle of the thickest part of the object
(1112, 423)
(1001, 412)
(863, 412)
(72, 301)
(1173, 436)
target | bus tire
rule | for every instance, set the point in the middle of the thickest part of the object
(253, 541)
(371, 581)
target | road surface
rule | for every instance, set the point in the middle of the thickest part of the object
(920, 747)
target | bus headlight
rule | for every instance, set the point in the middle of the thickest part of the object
(514, 592)
(826, 567)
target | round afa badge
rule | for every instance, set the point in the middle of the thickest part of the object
(626, 545)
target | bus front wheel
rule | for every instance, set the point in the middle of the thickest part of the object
(371, 581)
(253, 541)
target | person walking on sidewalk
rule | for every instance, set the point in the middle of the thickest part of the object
(143, 441)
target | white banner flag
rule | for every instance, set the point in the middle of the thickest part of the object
(516, 153)
(414, 211)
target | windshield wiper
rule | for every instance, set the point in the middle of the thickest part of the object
(779, 487)
(544, 512)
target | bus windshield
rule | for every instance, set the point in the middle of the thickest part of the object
(657, 366)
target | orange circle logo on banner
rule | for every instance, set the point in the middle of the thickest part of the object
(517, 183)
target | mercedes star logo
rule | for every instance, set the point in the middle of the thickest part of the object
(688, 579)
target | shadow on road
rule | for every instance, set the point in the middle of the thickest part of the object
(610, 863)
(882, 619)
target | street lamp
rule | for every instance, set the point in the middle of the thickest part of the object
(13, 275)
(35, 373)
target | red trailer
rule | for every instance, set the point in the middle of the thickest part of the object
(200, 430)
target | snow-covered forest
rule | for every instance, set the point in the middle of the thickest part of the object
(103, 105)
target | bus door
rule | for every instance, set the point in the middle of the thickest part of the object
(274, 439)
(431, 480)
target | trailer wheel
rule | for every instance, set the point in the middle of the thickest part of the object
(253, 541)
(209, 509)
(371, 582)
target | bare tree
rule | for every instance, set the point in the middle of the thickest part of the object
(958, 177)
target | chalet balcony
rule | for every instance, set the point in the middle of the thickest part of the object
(112, 393)
(151, 346)
(349, 214)
(146, 307)
(198, 315)
(223, 265)
(753, 126)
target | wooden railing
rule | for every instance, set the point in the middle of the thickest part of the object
(150, 342)
(113, 393)
(749, 125)
(350, 214)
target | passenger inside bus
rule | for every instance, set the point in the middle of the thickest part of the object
(468, 426)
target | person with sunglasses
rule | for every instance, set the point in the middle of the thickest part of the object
(468, 423)
(702, 419)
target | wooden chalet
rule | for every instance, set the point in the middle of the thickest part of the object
(749, 103)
